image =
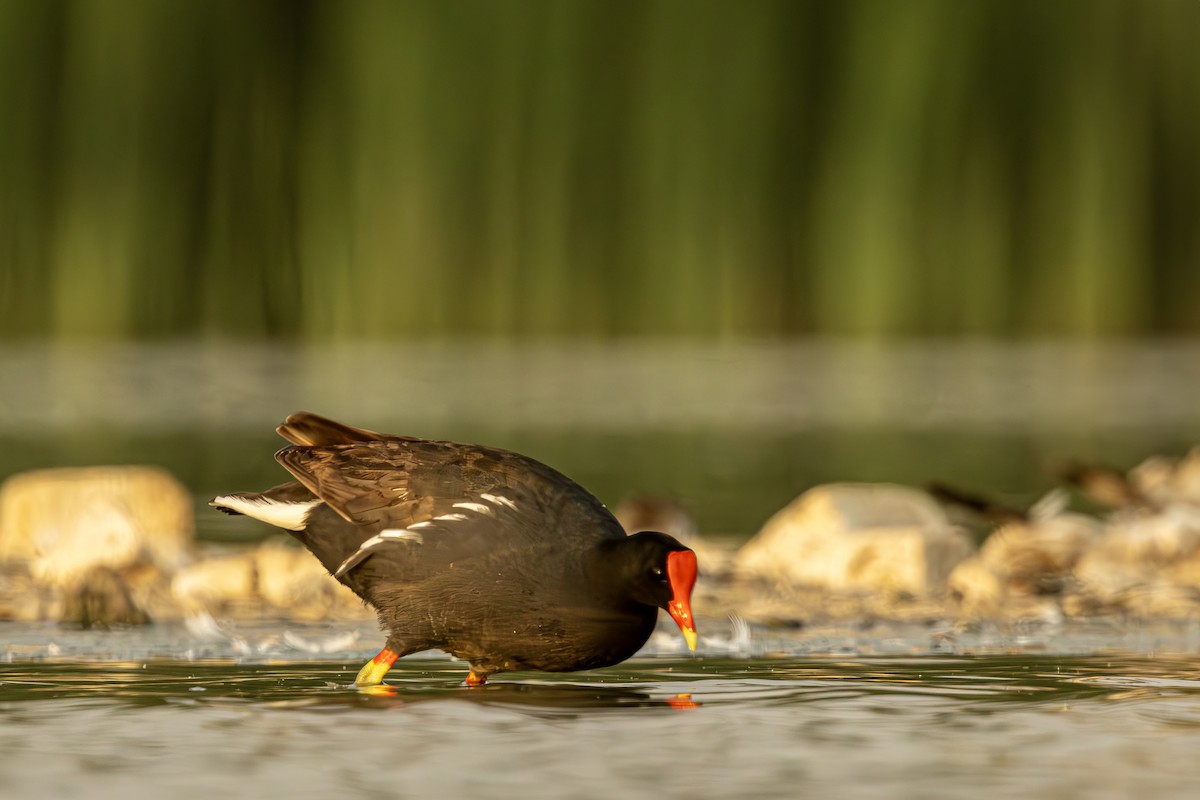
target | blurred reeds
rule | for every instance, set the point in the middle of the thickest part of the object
(598, 167)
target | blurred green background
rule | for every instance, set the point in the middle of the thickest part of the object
(318, 170)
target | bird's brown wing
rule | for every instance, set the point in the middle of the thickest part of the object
(395, 481)
(306, 428)
(457, 499)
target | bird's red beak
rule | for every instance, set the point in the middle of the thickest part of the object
(681, 572)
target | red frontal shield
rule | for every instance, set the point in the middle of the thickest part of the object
(681, 572)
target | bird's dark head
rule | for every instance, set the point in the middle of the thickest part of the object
(656, 570)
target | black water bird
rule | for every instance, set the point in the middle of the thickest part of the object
(484, 553)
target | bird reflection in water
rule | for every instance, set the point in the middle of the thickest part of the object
(546, 696)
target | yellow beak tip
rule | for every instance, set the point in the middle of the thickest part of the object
(691, 638)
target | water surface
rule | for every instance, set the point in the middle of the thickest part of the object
(780, 720)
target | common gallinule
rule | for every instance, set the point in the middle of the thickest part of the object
(486, 554)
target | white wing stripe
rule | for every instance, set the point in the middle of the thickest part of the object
(499, 500)
(478, 508)
(410, 534)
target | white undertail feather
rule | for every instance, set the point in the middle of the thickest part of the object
(289, 516)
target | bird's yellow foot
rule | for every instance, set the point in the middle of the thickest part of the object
(372, 673)
(682, 701)
(474, 679)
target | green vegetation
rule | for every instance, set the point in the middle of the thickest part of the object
(598, 167)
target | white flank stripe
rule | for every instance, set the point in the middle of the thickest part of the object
(450, 518)
(289, 516)
(478, 508)
(364, 549)
(499, 500)
(416, 525)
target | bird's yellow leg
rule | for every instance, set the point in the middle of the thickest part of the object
(374, 670)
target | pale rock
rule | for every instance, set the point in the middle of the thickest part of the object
(978, 589)
(213, 583)
(1037, 557)
(23, 599)
(66, 523)
(271, 580)
(1021, 560)
(1166, 481)
(292, 579)
(1152, 598)
(855, 538)
(1184, 572)
(102, 598)
(150, 587)
(1187, 478)
(1154, 479)
(1163, 600)
(1154, 539)
(1143, 555)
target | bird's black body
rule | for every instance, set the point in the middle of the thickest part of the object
(487, 554)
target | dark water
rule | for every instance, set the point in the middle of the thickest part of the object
(783, 720)
(735, 430)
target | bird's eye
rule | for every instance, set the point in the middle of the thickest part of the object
(657, 572)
